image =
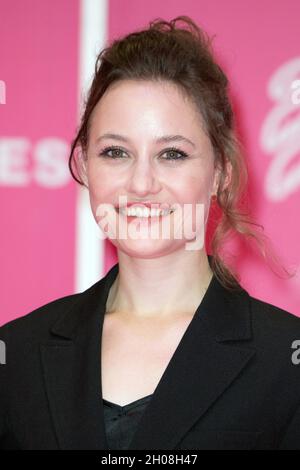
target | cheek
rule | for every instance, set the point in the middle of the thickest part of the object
(192, 189)
(101, 182)
(101, 187)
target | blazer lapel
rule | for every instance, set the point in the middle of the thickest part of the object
(200, 370)
(71, 364)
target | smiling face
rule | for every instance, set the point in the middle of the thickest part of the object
(144, 169)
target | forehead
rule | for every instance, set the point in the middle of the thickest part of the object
(147, 88)
(146, 104)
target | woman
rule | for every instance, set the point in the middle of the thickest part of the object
(167, 351)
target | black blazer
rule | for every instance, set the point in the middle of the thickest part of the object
(231, 383)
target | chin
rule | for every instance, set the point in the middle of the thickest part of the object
(146, 248)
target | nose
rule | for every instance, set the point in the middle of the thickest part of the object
(142, 179)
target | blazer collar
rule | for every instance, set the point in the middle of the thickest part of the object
(72, 368)
(233, 323)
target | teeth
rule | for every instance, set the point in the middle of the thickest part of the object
(144, 212)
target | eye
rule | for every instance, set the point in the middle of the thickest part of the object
(117, 151)
(174, 153)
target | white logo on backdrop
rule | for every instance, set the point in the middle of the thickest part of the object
(45, 163)
(280, 133)
(2, 92)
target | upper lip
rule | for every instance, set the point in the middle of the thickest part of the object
(148, 204)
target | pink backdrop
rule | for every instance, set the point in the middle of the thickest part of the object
(257, 43)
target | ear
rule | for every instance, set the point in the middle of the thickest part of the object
(225, 175)
(83, 164)
(228, 171)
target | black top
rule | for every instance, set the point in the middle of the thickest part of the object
(121, 421)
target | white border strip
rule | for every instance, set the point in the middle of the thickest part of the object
(89, 255)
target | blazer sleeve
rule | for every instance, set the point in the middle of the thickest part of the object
(3, 388)
(291, 436)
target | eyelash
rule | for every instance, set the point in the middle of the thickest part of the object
(183, 155)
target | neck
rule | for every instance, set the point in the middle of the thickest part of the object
(159, 287)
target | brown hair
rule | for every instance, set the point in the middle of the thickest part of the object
(166, 52)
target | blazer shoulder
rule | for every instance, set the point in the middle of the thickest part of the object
(274, 318)
(39, 319)
(37, 323)
(264, 308)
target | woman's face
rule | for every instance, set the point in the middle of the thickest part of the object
(145, 169)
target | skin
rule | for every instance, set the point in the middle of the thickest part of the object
(158, 280)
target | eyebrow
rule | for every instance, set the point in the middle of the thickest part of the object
(159, 140)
